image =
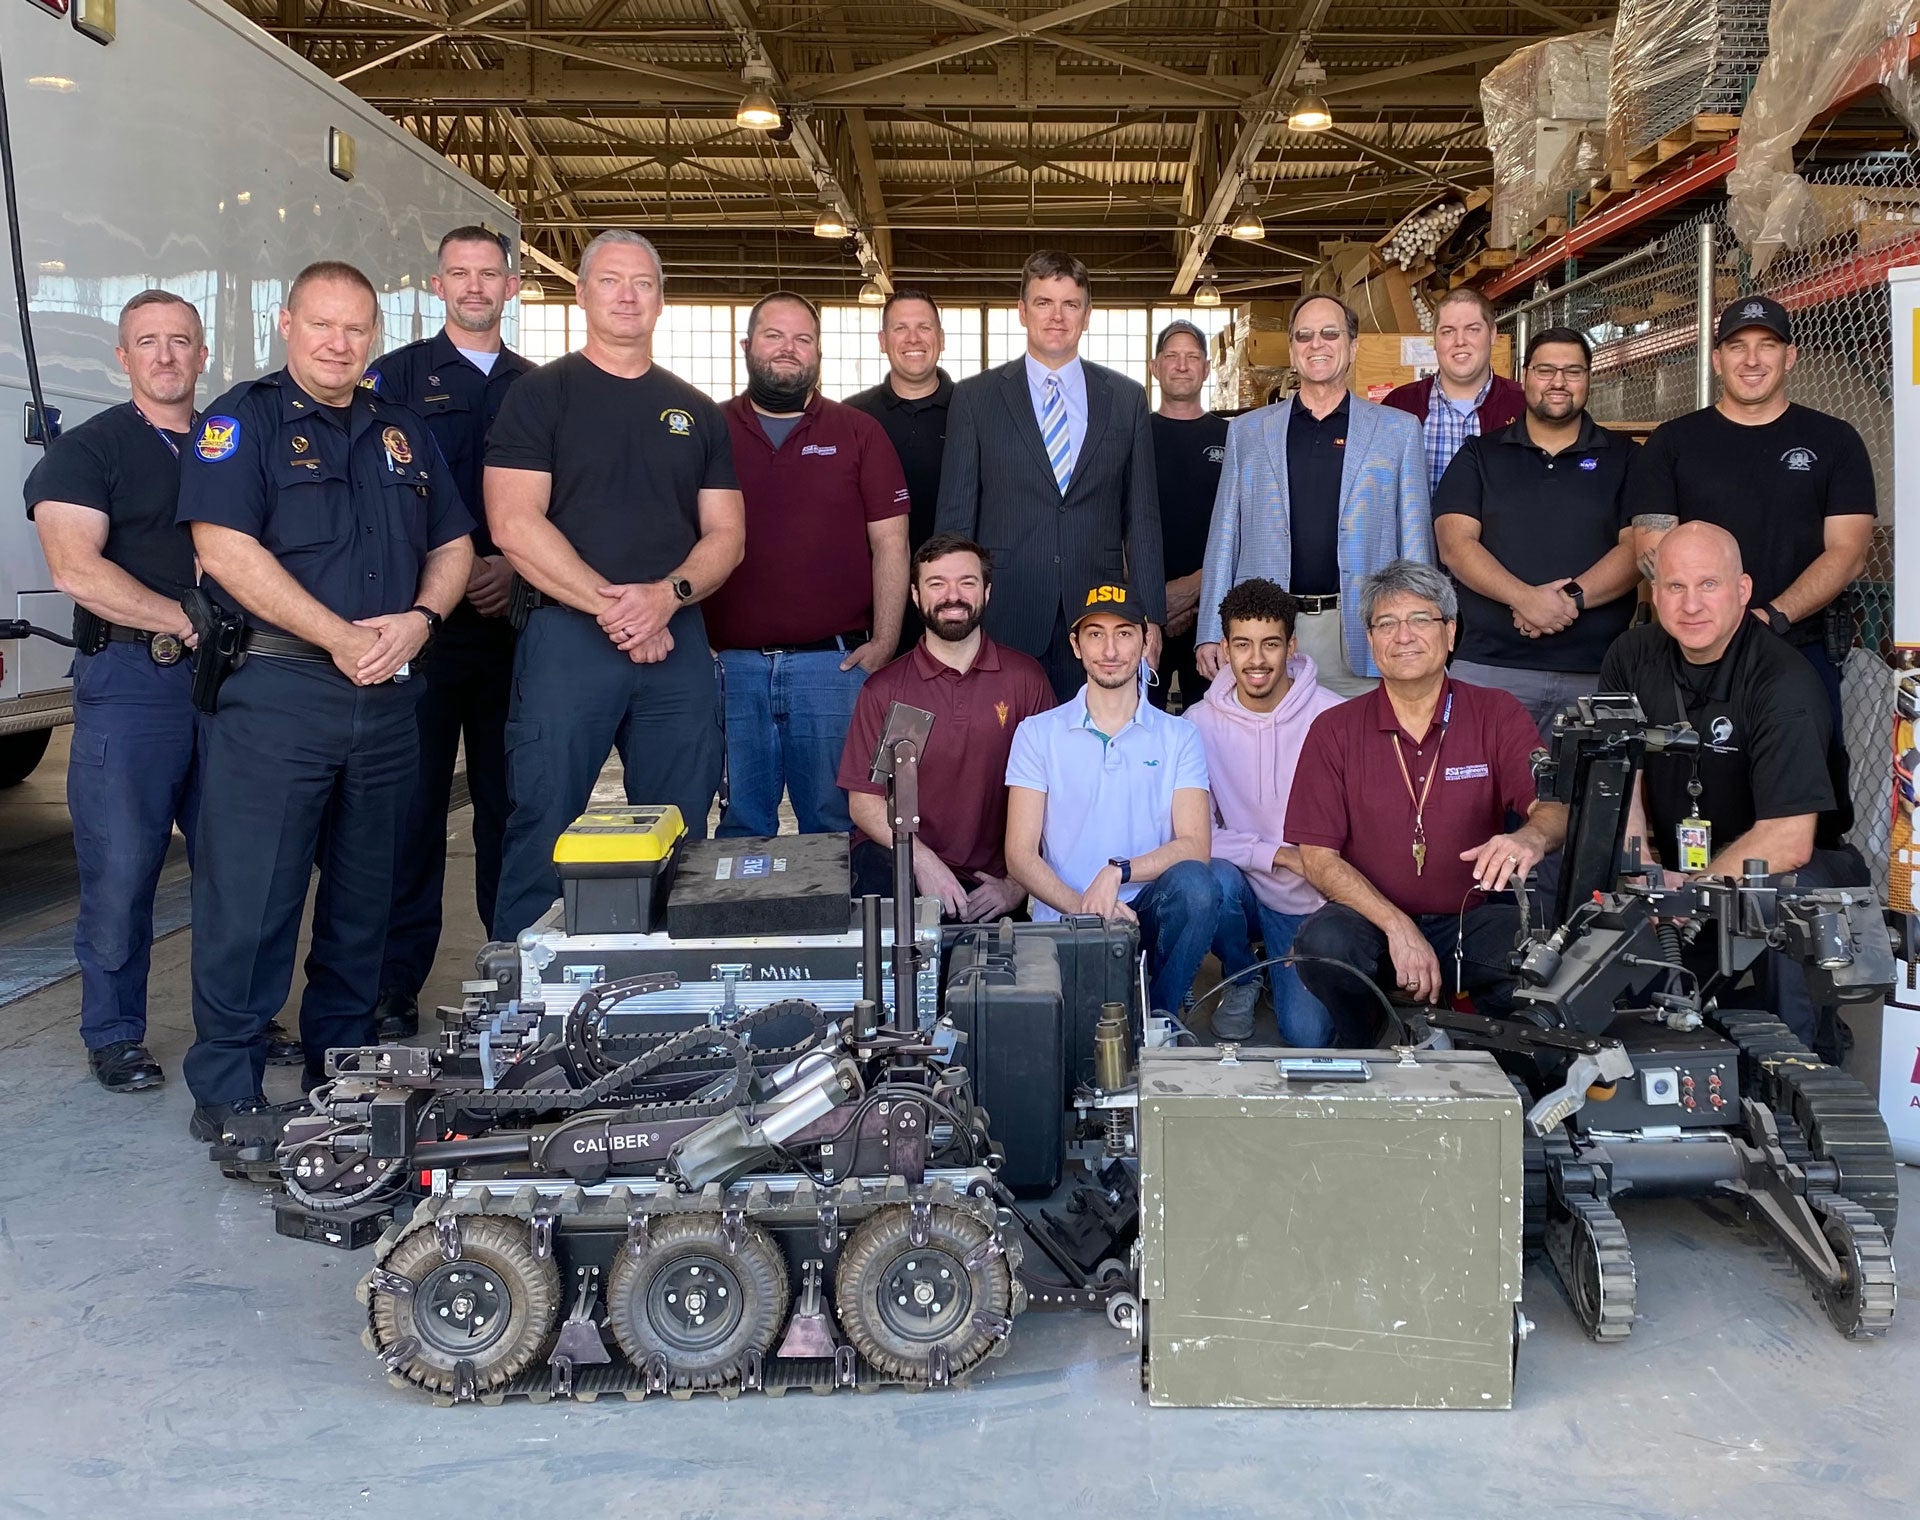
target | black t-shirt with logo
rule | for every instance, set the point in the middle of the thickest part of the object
(1765, 727)
(116, 462)
(628, 458)
(1772, 487)
(1187, 454)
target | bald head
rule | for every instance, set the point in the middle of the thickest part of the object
(1699, 544)
(1699, 590)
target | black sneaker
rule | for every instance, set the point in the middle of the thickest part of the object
(125, 1066)
(251, 1121)
(282, 1048)
(395, 1017)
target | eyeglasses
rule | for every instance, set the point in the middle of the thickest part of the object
(1422, 623)
(1326, 335)
(1546, 372)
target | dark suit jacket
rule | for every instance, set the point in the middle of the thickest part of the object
(997, 488)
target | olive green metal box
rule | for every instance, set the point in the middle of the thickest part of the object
(1329, 1245)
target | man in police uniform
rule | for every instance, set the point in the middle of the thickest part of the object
(1765, 772)
(327, 516)
(103, 502)
(456, 379)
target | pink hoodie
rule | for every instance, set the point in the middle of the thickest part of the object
(1250, 762)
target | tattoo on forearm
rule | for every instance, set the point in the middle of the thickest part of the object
(1656, 522)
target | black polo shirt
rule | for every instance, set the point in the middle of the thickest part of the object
(1767, 735)
(460, 404)
(1542, 516)
(917, 430)
(350, 500)
(1772, 487)
(628, 460)
(1316, 456)
(1187, 455)
(119, 464)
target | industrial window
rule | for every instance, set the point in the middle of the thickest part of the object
(1117, 337)
(697, 344)
(850, 357)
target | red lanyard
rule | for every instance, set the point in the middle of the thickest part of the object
(1419, 799)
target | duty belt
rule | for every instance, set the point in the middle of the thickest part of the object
(283, 646)
(1318, 603)
(162, 648)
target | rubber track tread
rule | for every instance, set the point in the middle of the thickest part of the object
(1878, 1287)
(1618, 1280)
(594, 1094)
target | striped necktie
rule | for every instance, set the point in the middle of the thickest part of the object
(1053, 432)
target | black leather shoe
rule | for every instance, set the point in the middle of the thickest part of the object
(251, 1121)
(125, 1066)
(395, 1017)
(282, 1049)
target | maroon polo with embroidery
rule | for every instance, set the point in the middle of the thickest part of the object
(808, 574)
(1349, 794)
(963, 774)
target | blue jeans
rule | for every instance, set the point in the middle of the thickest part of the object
(575, 699)
(1303, 1020)
(1177, 914)
(131, 777)
(787, 721)
(1542, 692)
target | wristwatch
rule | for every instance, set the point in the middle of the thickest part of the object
(1777, 620)
(1125, 865)
(1574, 594)
(432, 617)
(682, 589)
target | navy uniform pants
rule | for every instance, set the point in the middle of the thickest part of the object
(467, 674)
(299, 768)
(131, 777)
(575, 699)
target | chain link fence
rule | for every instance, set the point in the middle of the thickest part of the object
(1642, 316)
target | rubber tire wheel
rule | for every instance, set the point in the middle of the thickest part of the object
(502, 1246)
(757, 1264)
(20, 753)
(873, 1252)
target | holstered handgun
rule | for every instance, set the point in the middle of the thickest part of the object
(218, 652)
(520, 602)
(89, 631)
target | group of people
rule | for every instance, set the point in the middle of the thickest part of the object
(448, 550)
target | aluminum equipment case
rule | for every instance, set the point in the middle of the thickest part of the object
(1321, 1244)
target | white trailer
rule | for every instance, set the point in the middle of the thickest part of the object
(195, 153)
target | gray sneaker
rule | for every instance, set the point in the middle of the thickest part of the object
(1233, 1014)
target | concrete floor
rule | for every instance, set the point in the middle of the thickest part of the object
(167, 1354)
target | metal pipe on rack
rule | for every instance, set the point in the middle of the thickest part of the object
(1626, 260)
(1703, 299)
(1522, 330)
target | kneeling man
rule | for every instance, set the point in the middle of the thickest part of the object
(1107, 808)
(1253, 722)
(1400, 808)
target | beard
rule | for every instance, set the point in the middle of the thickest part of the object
(942, 625)
(775, 393)
(1113, 683)
(466, 321)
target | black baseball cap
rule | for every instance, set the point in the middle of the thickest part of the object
(1754, 311)
(1179, 325)
(1113, 598)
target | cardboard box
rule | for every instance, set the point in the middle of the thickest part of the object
(1386, 360)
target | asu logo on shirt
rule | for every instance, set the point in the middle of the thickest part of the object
(679, 423)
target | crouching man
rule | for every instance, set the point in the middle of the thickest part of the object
(1400, 808)
(1107, 808)
(1252, 724)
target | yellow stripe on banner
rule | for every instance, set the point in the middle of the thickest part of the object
(1916, 345)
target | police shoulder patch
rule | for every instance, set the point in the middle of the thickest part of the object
(219, 437)
(370, 381)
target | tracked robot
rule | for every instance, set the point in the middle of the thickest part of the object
(1640, 1084)
(600, 1194)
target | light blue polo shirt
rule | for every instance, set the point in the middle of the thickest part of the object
(1105, 796)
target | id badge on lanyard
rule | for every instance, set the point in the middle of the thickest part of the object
(1694, 835)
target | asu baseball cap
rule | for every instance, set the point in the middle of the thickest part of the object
(1754, 311)
(1112, 598)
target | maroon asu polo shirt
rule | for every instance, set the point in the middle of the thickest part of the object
(963, 775)
(808, 574)
(1349, 795)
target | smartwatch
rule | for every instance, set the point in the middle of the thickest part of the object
(1776, 619)
(1125, 865)
(432, 617)
(682, 589)
(1575, 594)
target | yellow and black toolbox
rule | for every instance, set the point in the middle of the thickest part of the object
(616, 868)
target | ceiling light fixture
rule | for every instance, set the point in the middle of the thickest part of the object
(1207, 292)
(531, 290)
(870, 293)
(1309, 112)
(1247, 226)
(756, 110)
(830, 223)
